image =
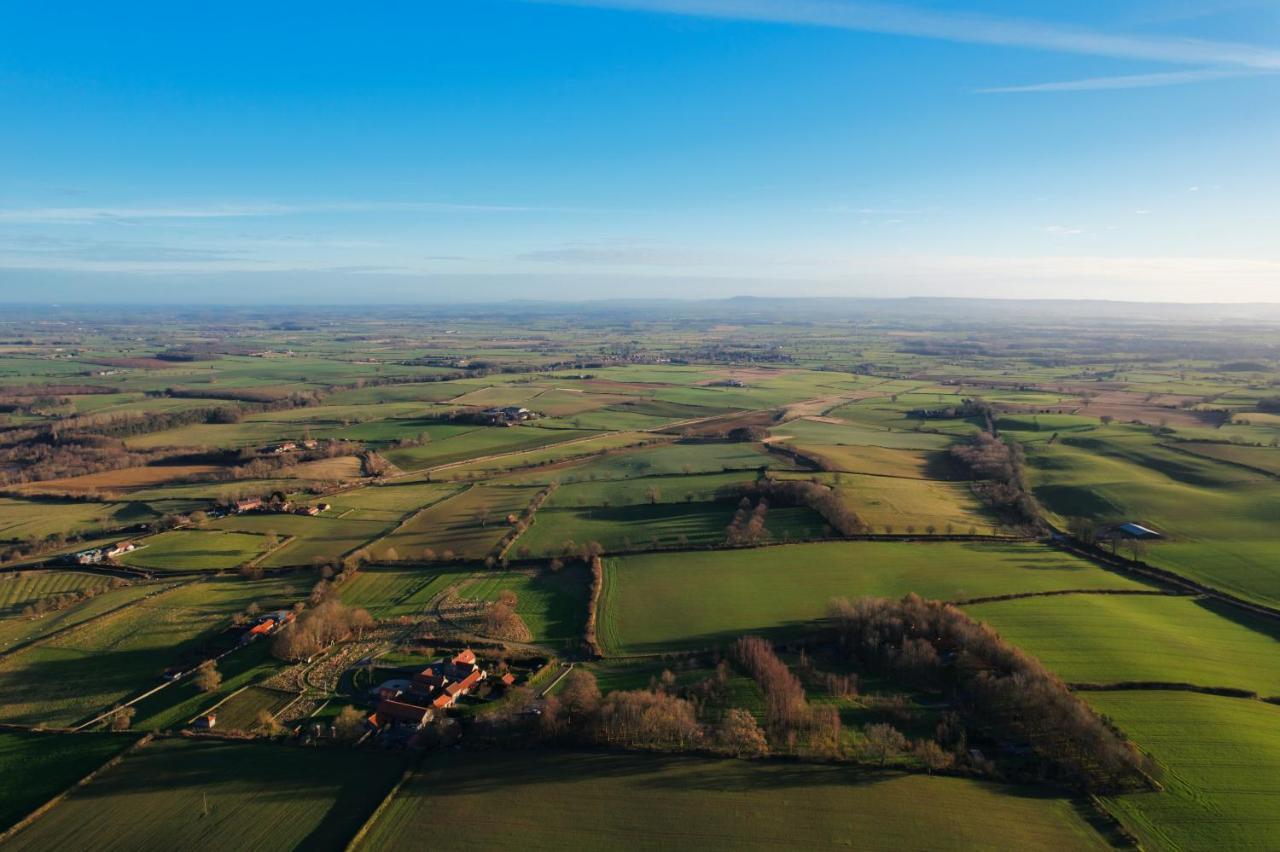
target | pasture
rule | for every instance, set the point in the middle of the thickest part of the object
(469, 524)
(19, 589)
(199, 550)
(628, 527)
(212, 794)
(1221, 758)
(477, 443)
(101, 661)
(567, 799)
(658, 602)
(393, 592)
(551, 603)
(1157, 638)
(35, 767)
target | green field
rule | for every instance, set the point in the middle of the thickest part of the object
(394, 592)
(86, 669)
(16, 629)
(19, 589)
(1219, 519)
(484, 441)
(574, 800)
(36, 519)
(469, 524)
(36, 767)
(195, 550)
(176, 794)
(687, 600)
(551, 603)
(645, 489)
(1126, 638)
(1221, 758)
(629, 527)
(324, 538)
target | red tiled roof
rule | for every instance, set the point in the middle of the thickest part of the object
(401, 711)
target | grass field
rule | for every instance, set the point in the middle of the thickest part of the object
(891, 502)
(1221, 758)
(552, 603)
(1260, 458)
(36, 767)
(483, 441)
(389, 502)
(195, 550)
(393, 592)
(176, 794)
(1219, 519)
(470, 524)
(15, 629)
(629, 527)
(323, 538)
(548, 456)
(37, 519)
(25, 587)
(635, 492)
(1125, 638)
(240, 712)
(574, 800)
(102, 661)
(658, 602)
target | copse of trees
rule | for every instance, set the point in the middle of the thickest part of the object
(501, 621)
(793, 724)
(994, 686)
(997, 467)
(802, 492)
(317, 628)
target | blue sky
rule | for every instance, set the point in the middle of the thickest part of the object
(490, 149)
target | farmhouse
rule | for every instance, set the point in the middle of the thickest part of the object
(121, 547)
(248, 504)
(508, 416)
(436, 687)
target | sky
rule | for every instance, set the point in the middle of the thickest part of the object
(480, 150)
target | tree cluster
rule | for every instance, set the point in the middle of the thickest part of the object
(317, 628)
(747, 526)
(995, 687)
(998, 470)
(793, 724)
(802, 492)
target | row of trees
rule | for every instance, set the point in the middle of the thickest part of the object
(1000, 479)
(747, 526)
(803, 492)
(995, 687)
(792, 722)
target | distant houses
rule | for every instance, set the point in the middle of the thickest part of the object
(511, 415)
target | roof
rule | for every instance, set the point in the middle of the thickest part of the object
(402, 711)
(1138, 530)
(465, 657)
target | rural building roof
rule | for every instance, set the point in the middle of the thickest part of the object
(1138, 530)
(402, 711)
(465, 657)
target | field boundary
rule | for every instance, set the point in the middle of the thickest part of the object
(378, 811)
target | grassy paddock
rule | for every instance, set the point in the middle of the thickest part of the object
(191, 794)
(571, 800)
(35, 767)
(1125, 638)
(1221, 758)
(668, 601)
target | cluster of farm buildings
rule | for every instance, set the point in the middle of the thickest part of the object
(98, 555)
(414, 701)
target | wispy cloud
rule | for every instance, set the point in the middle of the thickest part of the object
(1213, 59)
(126, 215)
(1127, 81)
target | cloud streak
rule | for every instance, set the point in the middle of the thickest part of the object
(1128, 81)
(126, 215)
(947, 26)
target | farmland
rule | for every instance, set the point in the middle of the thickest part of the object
(661, 602)
(675, 485)
(197, 795)
(586, 799)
